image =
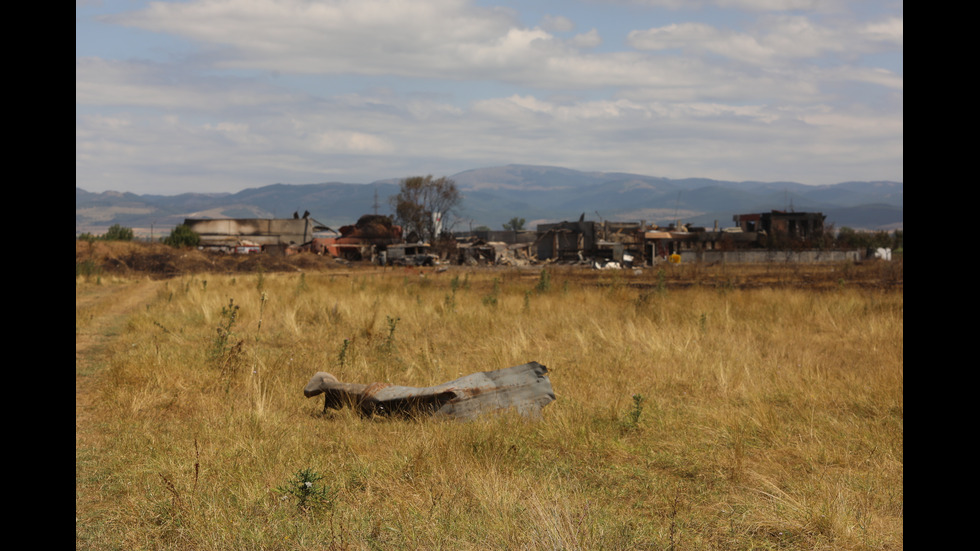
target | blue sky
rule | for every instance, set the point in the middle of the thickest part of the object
(223, 95)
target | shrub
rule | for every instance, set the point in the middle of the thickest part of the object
(117, 232)
(182, 236)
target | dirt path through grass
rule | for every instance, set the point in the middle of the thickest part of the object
(100, 313)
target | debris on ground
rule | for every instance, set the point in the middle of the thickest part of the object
(525, 388)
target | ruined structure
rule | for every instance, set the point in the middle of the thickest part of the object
(761, 237)
(803, 226)
(609, 241)
(524, 388)
(774, 236)
(501, 247)
(758, 237)
(363, 240)
(661, 244)
(248, 234)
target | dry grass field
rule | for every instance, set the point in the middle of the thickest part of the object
(697, 408)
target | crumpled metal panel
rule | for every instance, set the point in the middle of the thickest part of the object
(525, 388)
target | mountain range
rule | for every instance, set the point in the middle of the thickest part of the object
(493, 196)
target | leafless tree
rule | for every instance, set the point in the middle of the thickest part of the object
(424, 203)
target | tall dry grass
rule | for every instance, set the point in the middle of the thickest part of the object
(685, 418)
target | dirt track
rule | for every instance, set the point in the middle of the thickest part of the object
(100, 310)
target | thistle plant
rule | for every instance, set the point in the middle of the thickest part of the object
(388, 348)
(262, 300)
(450, 301)
(227, 351)
(632, 421)
(222, 340)
(304, 488)
(342, 359)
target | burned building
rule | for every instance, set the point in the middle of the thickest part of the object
(507, 247)
(803, 226)
(662, 244)
(582, 240)
(248, 234)
(371, 235)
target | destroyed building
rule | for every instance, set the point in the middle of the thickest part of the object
(254, 234)
(757, 237)
(802, 226)
(584, 240)
(686, 240)
(371, 235)
(761, 237)
(504, 247)
(774, 236)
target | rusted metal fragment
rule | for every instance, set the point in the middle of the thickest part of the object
(524, 388)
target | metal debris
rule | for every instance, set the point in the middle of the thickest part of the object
(525, 388)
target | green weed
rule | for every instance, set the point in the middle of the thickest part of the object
(632, 420)
(491, 298)
(388, 348)
(544, 282)
(305, 488)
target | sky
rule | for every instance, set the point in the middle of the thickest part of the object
(224, 95)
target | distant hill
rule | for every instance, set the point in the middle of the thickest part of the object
(492, 196)
(334, 204)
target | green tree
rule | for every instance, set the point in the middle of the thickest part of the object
(182, 236)
(117, 232)
(425, 204)
(851, 238)
(515, 224)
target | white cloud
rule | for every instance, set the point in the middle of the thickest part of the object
(363, 37)
(699, 37)
(589, 39)
(557, 23)
(351, 142)
(360, 90)
(888, 31)
(775, 5)
(776, 39)
(456, 41)
(745, 5)
(146, 84)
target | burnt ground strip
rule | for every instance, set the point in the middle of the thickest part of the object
(161, 262)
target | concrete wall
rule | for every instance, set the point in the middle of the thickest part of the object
(771, 256)
(264, 231)
(563, 245)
